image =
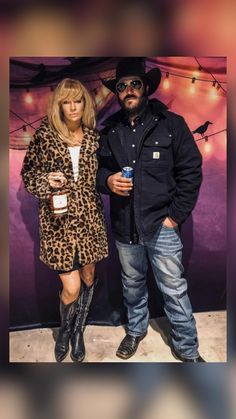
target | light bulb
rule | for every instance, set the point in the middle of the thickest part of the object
(166, 83)
(28, 98)
(207, 147)
(195, 74)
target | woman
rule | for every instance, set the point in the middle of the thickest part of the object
(62, 155)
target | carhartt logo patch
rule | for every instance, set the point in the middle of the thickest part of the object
(156, 155)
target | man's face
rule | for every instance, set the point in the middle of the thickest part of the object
(133, 97)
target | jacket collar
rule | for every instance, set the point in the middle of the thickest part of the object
(156, 107)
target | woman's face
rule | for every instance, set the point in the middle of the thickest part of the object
(73, 110)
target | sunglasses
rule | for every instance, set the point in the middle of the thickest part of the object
(135, 84)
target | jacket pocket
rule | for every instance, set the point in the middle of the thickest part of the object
(155, 186)
(156, 151)
(120, 214)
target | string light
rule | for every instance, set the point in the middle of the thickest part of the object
(213, 93)
(192, 88)
(196, 73)
(216, 86)
(28, 97)
(205, 138)
(26, 123)
(195, 77)
(212, 75)
(166, 82)
(26, 138)
(207, 146)
(24, 127)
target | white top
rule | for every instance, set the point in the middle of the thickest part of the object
(74, 153)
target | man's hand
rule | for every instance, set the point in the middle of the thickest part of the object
(168, 222)
(119, 185)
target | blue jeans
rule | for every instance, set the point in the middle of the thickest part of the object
(164, 252)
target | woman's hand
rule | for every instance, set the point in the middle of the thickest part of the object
(56, 179)
(119, 185)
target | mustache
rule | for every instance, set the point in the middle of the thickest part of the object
(130, 97)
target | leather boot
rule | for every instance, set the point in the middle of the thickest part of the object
(82, 310)
(129, 345)
(67, 312)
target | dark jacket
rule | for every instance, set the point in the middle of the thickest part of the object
(165, 183)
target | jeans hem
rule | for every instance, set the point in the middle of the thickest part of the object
(186, 357)
(137, 335)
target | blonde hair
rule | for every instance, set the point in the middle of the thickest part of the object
(70, 89)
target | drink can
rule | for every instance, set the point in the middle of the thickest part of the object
(128, 172)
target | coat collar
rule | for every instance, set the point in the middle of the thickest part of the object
(89, 142)
(156, 106)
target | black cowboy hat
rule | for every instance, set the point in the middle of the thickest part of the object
(133, 66)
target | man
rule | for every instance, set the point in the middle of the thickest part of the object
(146, 214)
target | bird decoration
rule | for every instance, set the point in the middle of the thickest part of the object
(202, 129)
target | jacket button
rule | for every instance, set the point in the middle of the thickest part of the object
(156, 142)
(170, 135)
(113, 130)
(130, 242)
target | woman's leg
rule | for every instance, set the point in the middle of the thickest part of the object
(87, 273)
(77, 340)
(71, 286)
(68, 308)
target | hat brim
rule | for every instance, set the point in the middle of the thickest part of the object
(152, 78)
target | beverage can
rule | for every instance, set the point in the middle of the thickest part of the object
(128, 172)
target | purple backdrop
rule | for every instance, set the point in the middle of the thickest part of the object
(34, 287)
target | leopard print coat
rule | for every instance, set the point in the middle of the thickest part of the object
(83, 228)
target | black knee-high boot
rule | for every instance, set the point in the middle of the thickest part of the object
(67, 312)
(77, 337)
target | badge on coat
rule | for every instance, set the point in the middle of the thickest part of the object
(156, 155)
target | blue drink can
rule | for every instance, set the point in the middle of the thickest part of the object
(128, 172)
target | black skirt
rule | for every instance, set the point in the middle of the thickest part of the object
(75, 267)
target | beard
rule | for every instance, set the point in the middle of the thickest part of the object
(134, 110)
